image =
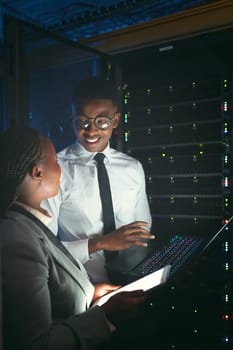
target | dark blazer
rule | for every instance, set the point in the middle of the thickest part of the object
(44, 291)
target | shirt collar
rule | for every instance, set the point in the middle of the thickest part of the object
(87, 156)
(44, 216)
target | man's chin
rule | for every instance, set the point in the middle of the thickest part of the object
(97, 146)
(92, 147)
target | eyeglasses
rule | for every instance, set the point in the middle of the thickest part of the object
(101, 122)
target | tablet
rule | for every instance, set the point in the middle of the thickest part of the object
(145, 283)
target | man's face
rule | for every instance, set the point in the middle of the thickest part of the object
(92, 138)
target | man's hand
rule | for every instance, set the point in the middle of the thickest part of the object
(122, 238)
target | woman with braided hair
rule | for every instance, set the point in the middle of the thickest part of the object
(47, 296)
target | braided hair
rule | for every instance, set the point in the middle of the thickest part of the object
(20, 150)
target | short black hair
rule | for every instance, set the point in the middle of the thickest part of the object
(20, 150)
(95, 88)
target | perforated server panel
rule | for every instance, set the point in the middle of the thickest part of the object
(177, 120)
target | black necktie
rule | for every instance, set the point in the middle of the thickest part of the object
(106, 200)
(105, 194)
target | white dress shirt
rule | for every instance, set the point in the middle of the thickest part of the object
(78, 209)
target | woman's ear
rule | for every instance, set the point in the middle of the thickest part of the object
(37, 173)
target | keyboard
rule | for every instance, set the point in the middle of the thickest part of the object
(175, 253)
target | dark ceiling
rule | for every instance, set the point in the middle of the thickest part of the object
(77, 20)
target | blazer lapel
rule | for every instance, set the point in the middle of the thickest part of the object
(75, 270)
(61, 255)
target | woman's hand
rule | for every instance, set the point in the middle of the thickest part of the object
(102, 289)
(124, 305)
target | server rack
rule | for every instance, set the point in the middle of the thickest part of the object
(177, 120)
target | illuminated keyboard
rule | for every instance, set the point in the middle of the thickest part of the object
(175, 253)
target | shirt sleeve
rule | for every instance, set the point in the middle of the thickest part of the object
(142, 210)
(78, 248)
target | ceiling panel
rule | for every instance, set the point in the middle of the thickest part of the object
(83, 19)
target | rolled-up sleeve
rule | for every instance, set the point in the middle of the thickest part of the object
(79, 249)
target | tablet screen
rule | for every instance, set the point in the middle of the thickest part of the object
(145, 283)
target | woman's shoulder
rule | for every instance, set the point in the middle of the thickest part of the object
(16, 226)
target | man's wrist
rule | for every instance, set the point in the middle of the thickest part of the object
(95, 244)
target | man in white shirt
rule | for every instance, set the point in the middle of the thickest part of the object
(77, 209)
